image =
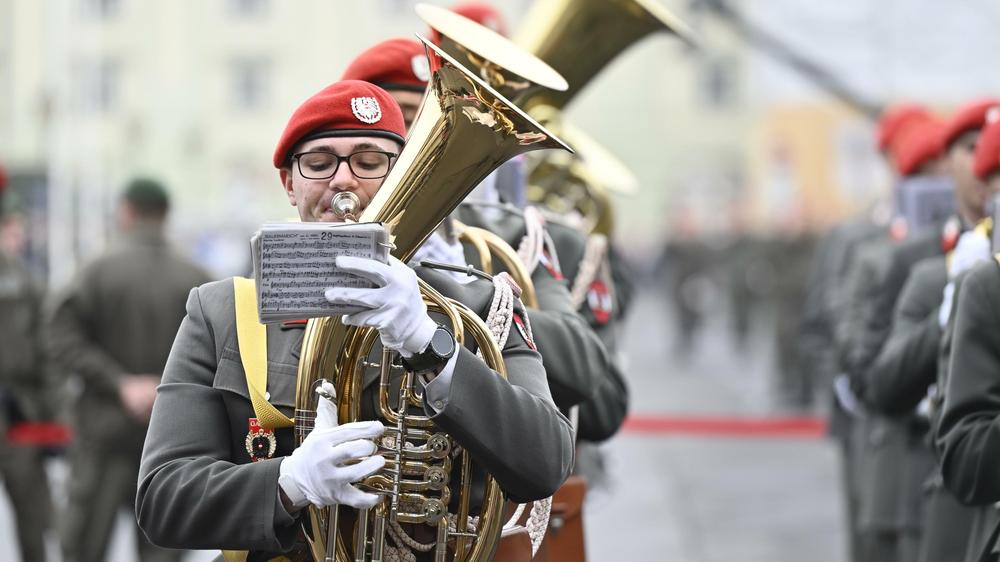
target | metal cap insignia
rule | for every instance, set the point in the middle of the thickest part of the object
(366, 109)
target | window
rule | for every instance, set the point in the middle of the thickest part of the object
(717, 82)
(247, 8)
(99, 85)
(101, 9)
(249, 85)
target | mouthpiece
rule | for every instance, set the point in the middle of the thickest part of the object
(345, 204)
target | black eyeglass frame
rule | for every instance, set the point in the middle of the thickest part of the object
(297, 156)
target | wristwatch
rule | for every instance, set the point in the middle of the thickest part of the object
(432, 359)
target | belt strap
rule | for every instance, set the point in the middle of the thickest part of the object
(251, 337)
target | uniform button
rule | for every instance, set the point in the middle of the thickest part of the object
(438, 404)
(267, 396)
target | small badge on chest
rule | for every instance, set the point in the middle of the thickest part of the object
(260, 442)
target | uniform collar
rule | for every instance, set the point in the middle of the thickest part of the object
(145, 234)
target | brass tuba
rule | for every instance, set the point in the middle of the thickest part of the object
(578, 189)
(513, 72)
(578, 38)
(489, 244)
(463, 131)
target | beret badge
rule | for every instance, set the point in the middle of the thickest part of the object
(421, 67)
(366, 109)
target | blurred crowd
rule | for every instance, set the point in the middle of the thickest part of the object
(757, 284)
(871, 326)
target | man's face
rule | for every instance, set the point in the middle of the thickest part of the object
(970, 192)
(409, 102)
(312, 197)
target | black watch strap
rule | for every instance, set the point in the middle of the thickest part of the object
(439, 350)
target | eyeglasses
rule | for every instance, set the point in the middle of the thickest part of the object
(364, 164)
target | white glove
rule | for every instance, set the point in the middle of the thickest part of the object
(946, 303)
(972, 248)
(437, 248)
(396, 308)
(315, 472)
(845, 396)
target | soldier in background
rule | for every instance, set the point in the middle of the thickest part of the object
(960, 511)
(21, 389)
(824, 313)
(899, 376)
(685, 265)
(889, 437)
(792, 253)
(112, 329)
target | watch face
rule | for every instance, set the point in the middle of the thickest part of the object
(443, 343)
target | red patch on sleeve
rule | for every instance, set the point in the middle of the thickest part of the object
(600, 302)
(519, 322)
(547, 262)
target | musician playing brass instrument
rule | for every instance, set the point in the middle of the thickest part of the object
(202, 486)
(577, 364)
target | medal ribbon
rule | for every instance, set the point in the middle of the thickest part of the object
(251, 337)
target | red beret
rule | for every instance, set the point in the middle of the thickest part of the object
(396, 64)
(349, 108)
(916, 145)
(483, 14)
(895, 119)
(988, 148)
(968, 117)
(479, 12)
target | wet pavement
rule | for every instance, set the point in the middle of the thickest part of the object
(718, 497)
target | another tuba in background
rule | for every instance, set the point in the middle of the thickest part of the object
(578, 38)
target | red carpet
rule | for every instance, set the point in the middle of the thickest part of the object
(39, 434)
(49, 434)
(724, 426)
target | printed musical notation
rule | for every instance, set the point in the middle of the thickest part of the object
(294, 264)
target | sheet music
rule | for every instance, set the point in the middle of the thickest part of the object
(294, 264)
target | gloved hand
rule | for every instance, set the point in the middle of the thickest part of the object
(946, 303)
(972, 248)
(845, 396)
(315, 472)
(396, 308)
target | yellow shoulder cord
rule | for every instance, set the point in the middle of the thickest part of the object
(985, 227)
(251, 337)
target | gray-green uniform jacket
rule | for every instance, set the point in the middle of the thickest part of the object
(197, 486)
(118, 318)
(947, 523)
(828, 300)
(899, 379)
(968, 432)
(578, 364)
(907, 364)
(876, 284)
(877, 294)
(22, 372)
